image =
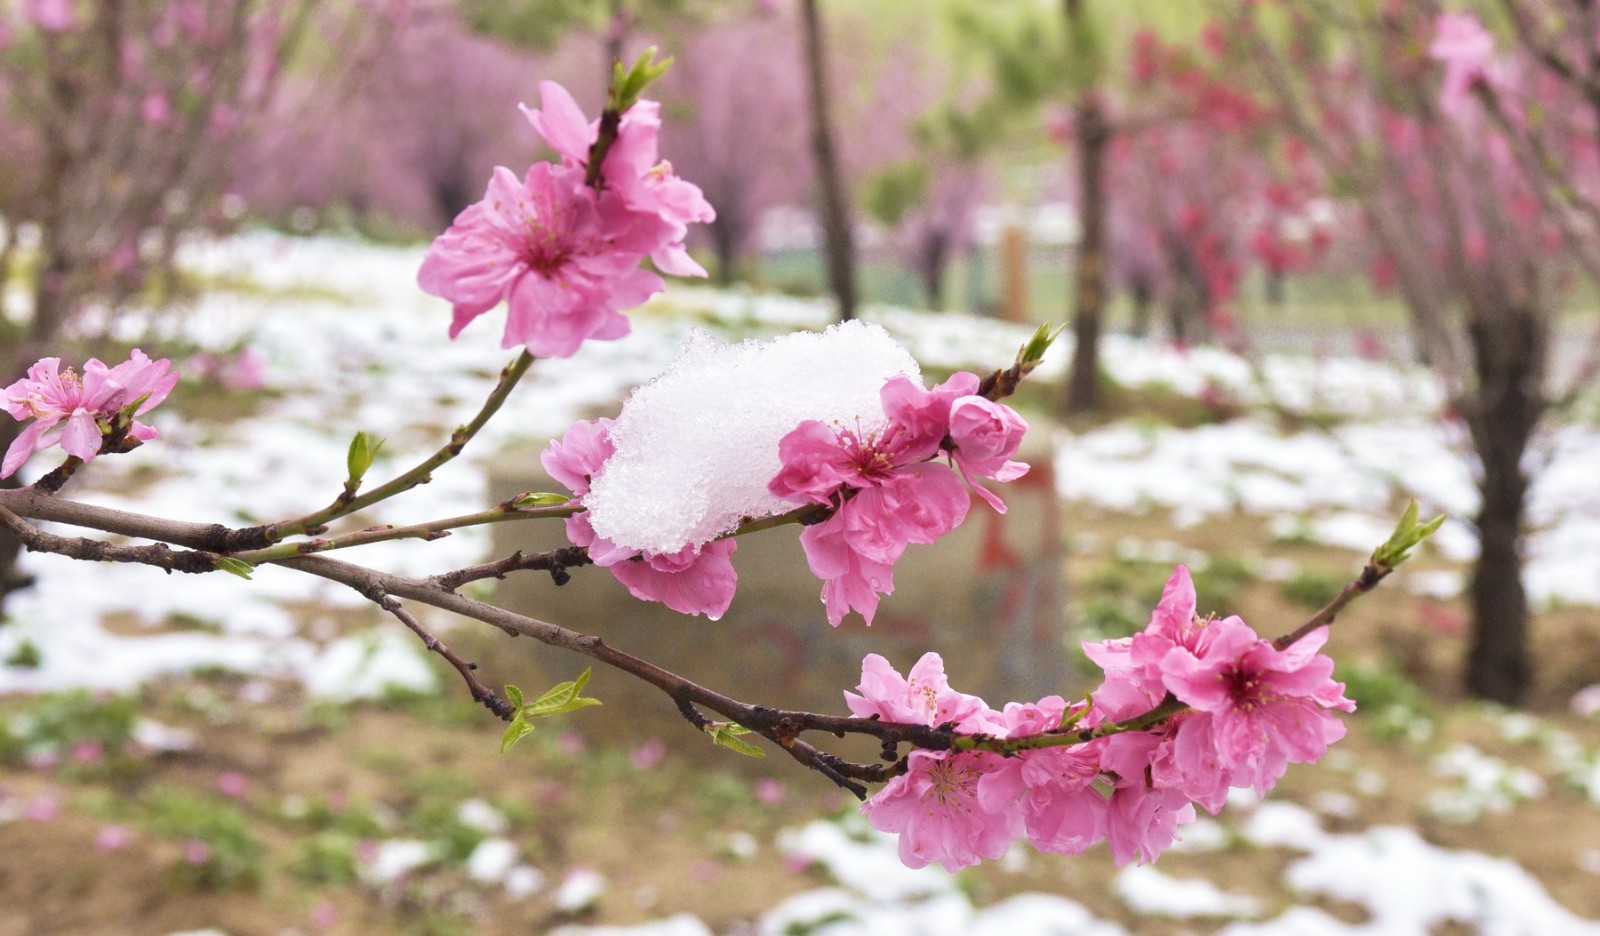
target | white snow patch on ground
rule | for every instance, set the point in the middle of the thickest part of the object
(866, 858)
(1154, 893)
(1409, 886)
(365, 666)
(684, 924)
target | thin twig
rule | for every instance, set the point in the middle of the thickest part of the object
(346, 503)
(432, 530)
(481, 694)
(555, 561)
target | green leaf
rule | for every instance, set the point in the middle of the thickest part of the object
(539, 499)
(1033, 352)
(514, 696)
(1407, 534)
(566, 697)
(627, 85)
(363, 451)
(518, 729)
(234, 566)
(727, 735)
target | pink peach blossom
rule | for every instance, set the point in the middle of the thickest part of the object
(936, 810)
(1268, 707)
(886, 486)
(986, 435)
(921, 697)
(73, 411)
(699, 579)
(1142, 822)
(892, 502)
(632, 169)
(564, 261)
(1061, 810)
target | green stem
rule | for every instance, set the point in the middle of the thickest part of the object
(433, 529)
(799, 515)
(348, 503)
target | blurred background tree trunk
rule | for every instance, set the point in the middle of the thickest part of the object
(837, 236)
(1093, 131)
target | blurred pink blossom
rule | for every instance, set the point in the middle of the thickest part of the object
(50, 15)
(155, 109)
(649, 755)
(46, 807)
(113, 837)
(1466, 50)
(770, 791)
(570, 743)
(323, 916)
(233, 784)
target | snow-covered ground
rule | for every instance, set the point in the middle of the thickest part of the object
(359, 348)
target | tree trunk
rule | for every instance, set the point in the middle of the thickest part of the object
(1143, 295)
(725, 243)
(1497, 664)
(835, 212)
(1508, 350)
(935, 258)
(1276, 282)
(1082, 389)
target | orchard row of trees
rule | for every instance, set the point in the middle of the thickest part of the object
(1448, 154)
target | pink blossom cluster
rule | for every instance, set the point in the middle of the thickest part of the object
(886, 485)
(698, 579)
(564, 254)
(1466, 49)
(1252, 709)
(75, 411)
(887, 488)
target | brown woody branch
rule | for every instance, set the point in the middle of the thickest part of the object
(481, 694)
(780, 726)
(556, 562)
(159, 555)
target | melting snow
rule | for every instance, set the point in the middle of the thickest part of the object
(697, 445)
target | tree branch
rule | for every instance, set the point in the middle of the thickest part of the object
(159, 554)
(481, 694)
(556, 562)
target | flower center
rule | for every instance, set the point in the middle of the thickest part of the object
(546, 242)
(1244, 687)
(953, 783)
(867, 452)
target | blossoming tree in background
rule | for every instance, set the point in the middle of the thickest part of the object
(868, 463)
(121, 119)
(1480, 245)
